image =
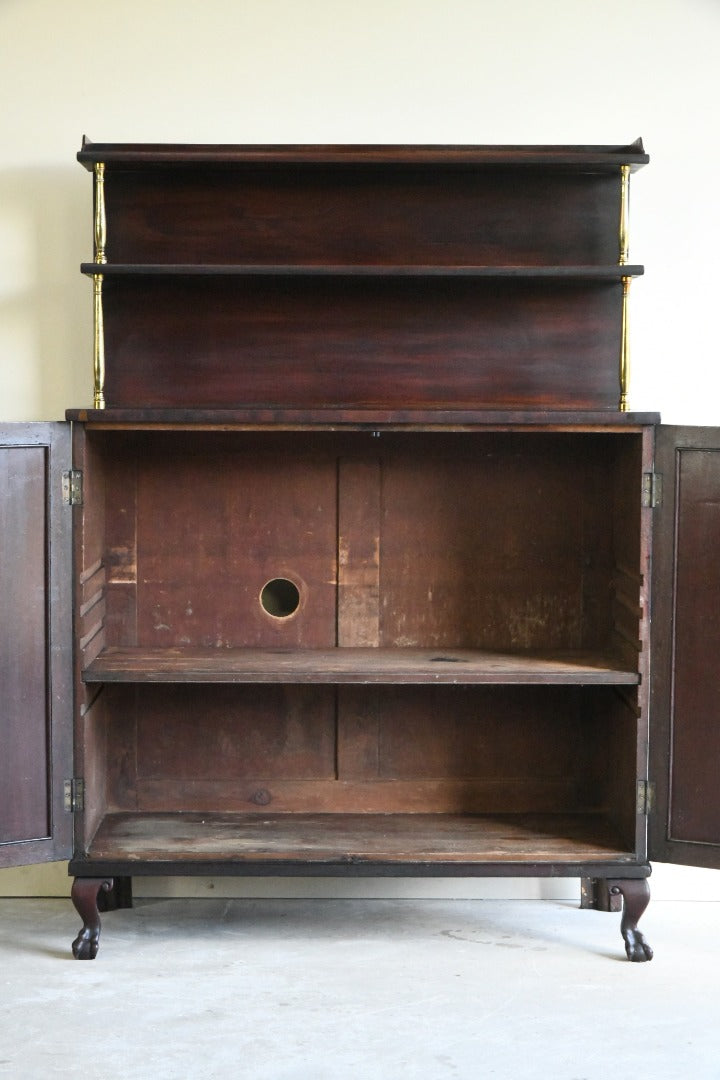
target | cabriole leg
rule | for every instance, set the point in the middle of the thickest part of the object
(84, 895)
(635, 893)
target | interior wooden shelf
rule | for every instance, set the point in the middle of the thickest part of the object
(378, 270)
(348, 838)
(354, 665)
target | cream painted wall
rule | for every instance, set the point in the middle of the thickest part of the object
(438, 71)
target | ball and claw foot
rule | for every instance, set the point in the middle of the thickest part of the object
(86, 944)
(636, 947)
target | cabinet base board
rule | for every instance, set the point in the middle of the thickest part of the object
(349, 843)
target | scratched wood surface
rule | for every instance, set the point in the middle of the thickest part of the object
(498, 542)
(343, 837)
(351, 664)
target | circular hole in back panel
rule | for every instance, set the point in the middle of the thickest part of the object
(280, 597)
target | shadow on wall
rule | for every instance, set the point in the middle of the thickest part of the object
(45, 303)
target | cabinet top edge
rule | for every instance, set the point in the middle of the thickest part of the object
(360, 419)
(591, 157)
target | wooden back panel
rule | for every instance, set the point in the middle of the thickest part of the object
(363, 214)
(301, 342)
(353, 750)
(485, 540)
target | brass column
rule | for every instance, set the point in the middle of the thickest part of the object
(624, 255)
(100, 258)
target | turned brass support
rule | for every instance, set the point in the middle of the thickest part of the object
(624, 243)
(624, 213)
(100, 220)
(98, 344)
(625, 348)
(100, 257)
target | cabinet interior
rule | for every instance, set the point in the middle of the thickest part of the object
(417, 647)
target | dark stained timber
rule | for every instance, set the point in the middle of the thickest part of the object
(304, 342)
(24, 808)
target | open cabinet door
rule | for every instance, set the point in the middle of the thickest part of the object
(684, 824)
(35, 644)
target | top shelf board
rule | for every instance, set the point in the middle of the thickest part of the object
(593, 158)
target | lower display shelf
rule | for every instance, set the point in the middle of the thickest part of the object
(179, 838)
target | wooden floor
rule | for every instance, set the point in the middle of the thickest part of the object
(397, 838)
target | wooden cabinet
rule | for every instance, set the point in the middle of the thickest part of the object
(363, 554)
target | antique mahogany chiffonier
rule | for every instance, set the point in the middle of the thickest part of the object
(359, 564)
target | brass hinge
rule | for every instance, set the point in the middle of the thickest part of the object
(652, 489)
(72, 487)
(645, 797)
(74, 791)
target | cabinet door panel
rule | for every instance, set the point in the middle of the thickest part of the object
(685, 699)
(35, 653)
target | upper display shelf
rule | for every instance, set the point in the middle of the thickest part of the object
(423, 277)
(136, 154)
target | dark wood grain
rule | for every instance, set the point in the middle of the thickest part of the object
(369, 215)
(24, 763)
(591, 156)
(696, 738)
(35, 644)
(227, 342)
(367, 419)
(686, 639)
